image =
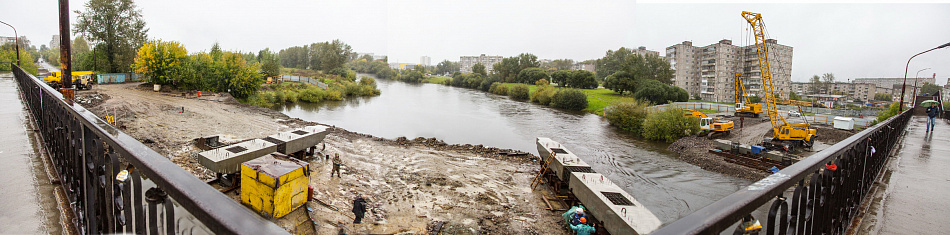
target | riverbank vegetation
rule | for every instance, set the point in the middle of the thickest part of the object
(338, 88)
(8, 56)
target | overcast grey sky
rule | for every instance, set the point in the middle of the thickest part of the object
(849, 40)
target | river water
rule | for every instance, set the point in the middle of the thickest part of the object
(654, 176)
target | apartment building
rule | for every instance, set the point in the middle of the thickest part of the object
(642, 51)
(5, 40)
(585, 66)
(466, 62)
(890, 82)
(858, 91)
(709, 71)
(425, 61)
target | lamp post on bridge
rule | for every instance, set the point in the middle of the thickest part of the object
(16, 40)
(916, 77)
(906, 68)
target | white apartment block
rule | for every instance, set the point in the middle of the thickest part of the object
(709, 71)
(858, 91)
(425, 61)
(466, 62)
(5, 40)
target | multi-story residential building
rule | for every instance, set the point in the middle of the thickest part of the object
(642, 51)
(858, 91)
(890, 82)
(466, 62)
(684, 58)
(5, 40)
(55, 42)
(585, 66)
(375, 57)
(709, 71)
(425, 61)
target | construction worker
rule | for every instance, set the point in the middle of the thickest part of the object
(336, 165)
(579, 216)
(359, 209)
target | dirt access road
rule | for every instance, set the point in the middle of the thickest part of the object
(409, 184)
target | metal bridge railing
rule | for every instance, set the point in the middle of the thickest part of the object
(157, 197)
(823, 201)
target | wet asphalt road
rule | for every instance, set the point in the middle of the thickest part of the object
(27, 204)
(916, 198)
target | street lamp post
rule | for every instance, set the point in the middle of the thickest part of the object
(16, 40)
(906, 68)
(916, 77)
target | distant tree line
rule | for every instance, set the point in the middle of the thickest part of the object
(323, 56)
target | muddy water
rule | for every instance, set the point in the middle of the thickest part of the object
(27, 204)
(669, 187)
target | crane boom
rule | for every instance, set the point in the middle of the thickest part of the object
(782, 130)
(758, 30)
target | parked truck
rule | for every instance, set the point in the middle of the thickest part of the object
(83, 80)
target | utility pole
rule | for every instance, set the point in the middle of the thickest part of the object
(65, 65)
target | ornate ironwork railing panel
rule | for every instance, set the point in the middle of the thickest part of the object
(157, 197)
(823, 201)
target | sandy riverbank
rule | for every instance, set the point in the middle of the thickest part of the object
(409, 184)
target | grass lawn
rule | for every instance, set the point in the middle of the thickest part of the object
(437, 80)
(597, 99)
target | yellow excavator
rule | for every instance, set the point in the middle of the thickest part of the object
(708, 125)
(785, 135)
(744, 108)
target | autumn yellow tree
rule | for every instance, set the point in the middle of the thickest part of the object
(159, 60)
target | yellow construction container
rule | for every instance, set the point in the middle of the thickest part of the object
(274, 185)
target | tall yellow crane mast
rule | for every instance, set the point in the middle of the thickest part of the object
(782, 130)
(743, 106)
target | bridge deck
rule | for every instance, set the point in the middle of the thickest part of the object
(915, 193)
(28, 205)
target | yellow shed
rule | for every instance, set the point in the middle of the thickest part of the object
(274, 185)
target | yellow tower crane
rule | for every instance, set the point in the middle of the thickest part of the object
(783, 131)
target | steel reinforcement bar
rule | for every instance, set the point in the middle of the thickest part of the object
(823, 201)
(157, 197)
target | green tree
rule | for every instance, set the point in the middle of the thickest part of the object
(157, 60)
(243, 79)
(532, 75)
(659, 93)
(620, 82)
(582, 79)
(572, 99)
(816, 85)
(519, 92)
(628, 116)
(929, 88)
(118, 26)
(561, 77)
(641, 67)
(446, 66)
(882, 96)
(479, 69)
(827, 82)
(270, 62)
(559, 64)
(329, 55)
(509, 68)
(8, 54)
(669, 125)
(793, 96)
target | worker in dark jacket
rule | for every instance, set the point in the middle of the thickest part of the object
(359, 208)
(931, 117)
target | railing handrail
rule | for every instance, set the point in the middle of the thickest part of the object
(725, 212)
(215, 210)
